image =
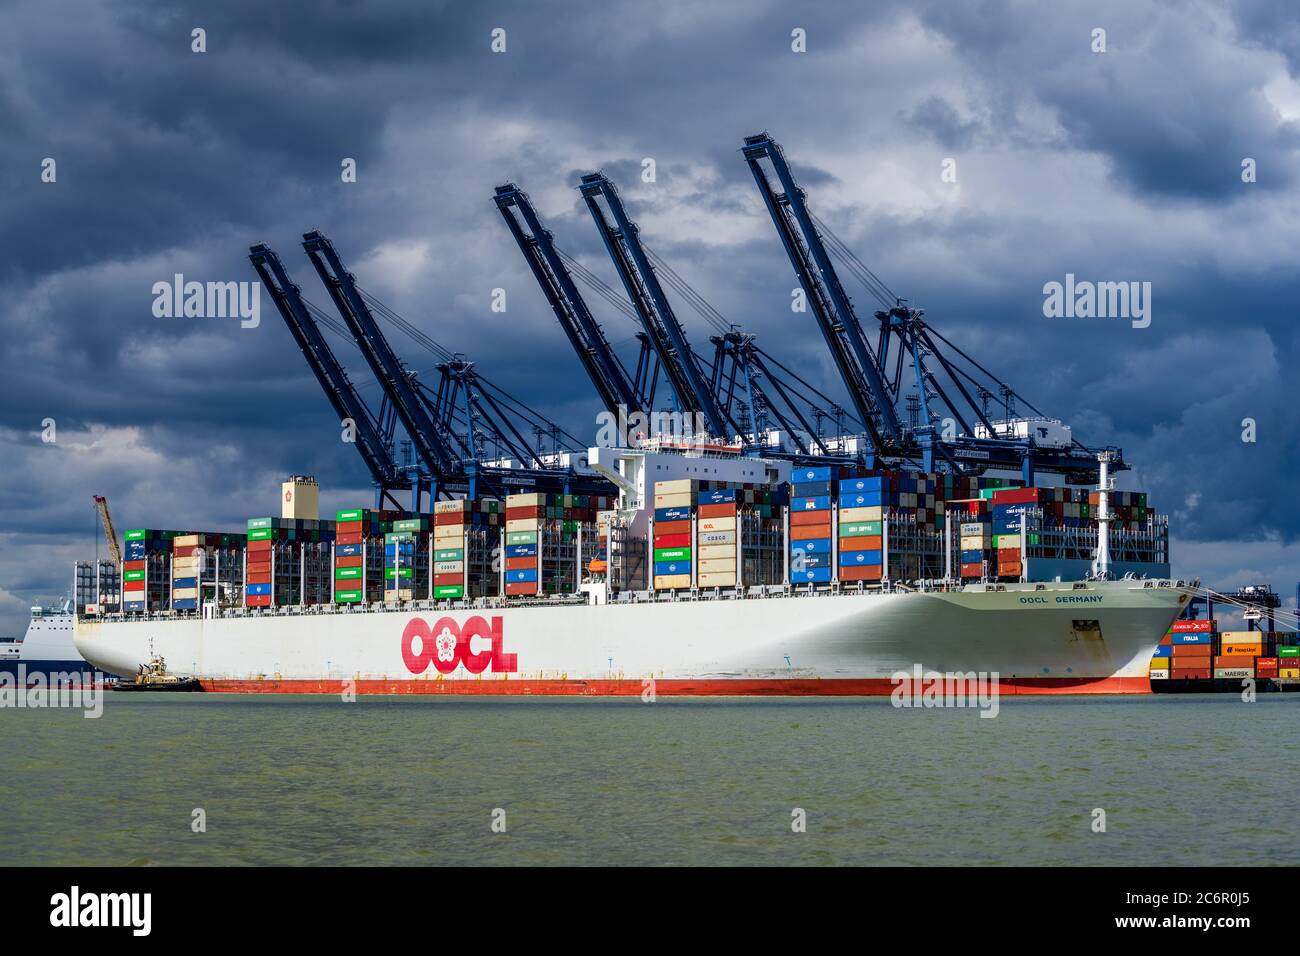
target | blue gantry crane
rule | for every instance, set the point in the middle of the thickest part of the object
(906, 349)
(373, 432)
(467, 432)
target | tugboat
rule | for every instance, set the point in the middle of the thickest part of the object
(154, 676)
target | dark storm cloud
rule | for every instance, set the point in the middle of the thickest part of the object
(170, 161)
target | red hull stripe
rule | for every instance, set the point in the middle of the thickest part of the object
(776, 687)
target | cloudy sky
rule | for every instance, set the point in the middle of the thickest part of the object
(1115, 166)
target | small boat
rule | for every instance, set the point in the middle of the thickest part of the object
(154, 677)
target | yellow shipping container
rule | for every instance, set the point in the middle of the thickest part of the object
(976, 542)
(1160, 663)
(185, 540)
(521, 524)
(1288, 672)
(718, 579)
(180, 594)
(874, 513)
(448, 507)
(717, 524)
(707, 551)
(676, 487)
(667, 582)
(446, 532)
(1006, 541)
(673, 500)
(532, 499)
(1241, 637)
(714, 565)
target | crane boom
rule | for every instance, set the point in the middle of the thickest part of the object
(831, 307)
(611, 380)
(657, 318)
(105, 519)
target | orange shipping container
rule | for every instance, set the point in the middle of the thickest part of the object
(1237, 649)
(973, 570)
(863, 572)
(514, 564)
(673, 527)
(810, 517)
(521, 587)
(869, 542)
(349, 561)
(806, 532)
(1189, 673)
(1181, 651)
(724, 510)
(1235, 660)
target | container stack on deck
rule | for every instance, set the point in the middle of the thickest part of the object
(359, 554)
(1195, 650)
(466, 536)
(406, 559)
(288, 562)
(811, 490)
(146, 570)
(1191, 650)
(562, 529)
(206, 567)
(672, 555)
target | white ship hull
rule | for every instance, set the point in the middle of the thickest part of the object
(1058, 638)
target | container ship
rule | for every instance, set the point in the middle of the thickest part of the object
(827, 584)
(742, 551)
(47, 651)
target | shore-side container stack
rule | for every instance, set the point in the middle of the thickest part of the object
(1238, 652)
(206, 567)
(466, 535)
(1288, 659)
(146, 570)
(288, 562)
(565, 541)
(1191, 650)
(359, 554)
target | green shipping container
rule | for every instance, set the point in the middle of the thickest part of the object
(133, 575)
(1288, 652)
(411, 524)
(347, 574)
(138, 534)
(406, 572)
(350, 514)
(260, 523)
(261, 534)
(672, 554)
(449, 591)
(451, 554)
(347, 597)
(521, 537)
(395, 536)
(855, 529)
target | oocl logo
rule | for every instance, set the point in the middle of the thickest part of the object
(447, 645)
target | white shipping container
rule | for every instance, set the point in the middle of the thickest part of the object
(717, 537)
(717, 524)
(974, 527)
(449, 507)
(185, 540)
(712, 565)
(873, 513)
(448, 567)
(675, 487)
(1232, 673)
(718, 579)
(708, 551)
(529, 499)
(522, 524)
(668, 581)
(675, 500)
(1159, 675)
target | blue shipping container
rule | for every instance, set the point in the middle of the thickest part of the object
(672, 514)
(1164, 650)
(258, 588)
(1199, 637)
(134, 605)
(521, 551)
(798, 561)
(876, 484)
(185, 582)
(807, 489)
(811, 474)
(819, 503)
(672, 567)
(850, 559)
(185, 604)
(862, 499)
(972, 557)
(719, 496)
(811, 546)
(811, 576)
(347, 550)
(521, 575)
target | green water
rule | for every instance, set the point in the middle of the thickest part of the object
(313, 780)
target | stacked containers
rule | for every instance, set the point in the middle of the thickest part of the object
(1012, 517)
(146, 570)
(288, 562)
(672, 546)
(861, 522)
(466, 536)
(1191, 651)
(1288, 659)
(975, 539)
(359, 554)
(811, 538)
(563, 533)
(738, 535)
(717, 531)
(1240, 652)
(206, 564)
(1161, 659)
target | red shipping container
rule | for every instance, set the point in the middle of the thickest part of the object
(717, 511)
(521, 587)
(809, 517)
(861, 572)
(258, 600)
(1193, 650)
(1266, 666)
(1166, 641)
(973, 570)
(188, 551)
(1234, 660)
(519, 514)
(132, 585)
(1193, 627)
(672, 541)
(673, 527)
(867, 542)
(351, 537)
(133, 565)
(1189, 673)
(455, 577)
(447, 518)
(259, 577)
(807, 532)
(255, 547)
(350, 561)
(350, 527)
(514, 564)
(1016, 496)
